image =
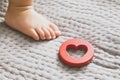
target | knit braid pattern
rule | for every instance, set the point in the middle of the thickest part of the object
(97, 21)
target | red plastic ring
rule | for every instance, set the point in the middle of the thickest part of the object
(76, 43)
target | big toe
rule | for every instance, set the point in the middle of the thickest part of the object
(55, 29)
(33, 34)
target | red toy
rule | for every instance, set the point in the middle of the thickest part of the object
(76, 43)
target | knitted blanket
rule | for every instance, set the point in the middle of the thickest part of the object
(97, 21)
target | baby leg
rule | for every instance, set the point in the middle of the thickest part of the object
(22, 17)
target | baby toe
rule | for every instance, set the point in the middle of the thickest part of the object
(55, 29)
(52, 33)
(40, 32)
(47, 33)
(33, 34)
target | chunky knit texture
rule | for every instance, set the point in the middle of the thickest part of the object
(97, 21)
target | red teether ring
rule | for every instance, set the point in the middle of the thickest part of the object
(76, 43)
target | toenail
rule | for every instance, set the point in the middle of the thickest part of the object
(58, 31)
(44, 38)
(36, 38)
(54, 37)
(49, 37)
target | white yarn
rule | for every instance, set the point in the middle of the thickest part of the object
(97, 21)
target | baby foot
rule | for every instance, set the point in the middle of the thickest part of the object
(29, 22)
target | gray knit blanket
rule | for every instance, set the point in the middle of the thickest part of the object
(97, 21)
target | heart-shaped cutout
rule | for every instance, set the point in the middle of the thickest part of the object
(76, 52)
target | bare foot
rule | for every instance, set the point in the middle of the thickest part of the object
(29, 22)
